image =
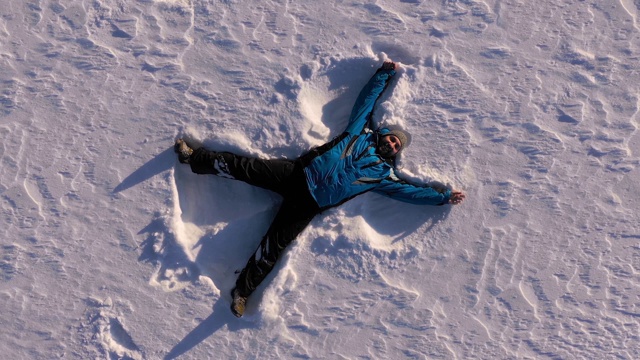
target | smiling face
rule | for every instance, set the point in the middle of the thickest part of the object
(389, 145)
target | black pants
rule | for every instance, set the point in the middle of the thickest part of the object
(285, 177)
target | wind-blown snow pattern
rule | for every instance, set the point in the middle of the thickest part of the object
(111, 249)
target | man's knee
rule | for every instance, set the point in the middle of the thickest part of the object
(210, 162)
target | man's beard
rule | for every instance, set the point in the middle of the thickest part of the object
(385, 150)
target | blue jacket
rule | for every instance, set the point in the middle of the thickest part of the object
(349, 166)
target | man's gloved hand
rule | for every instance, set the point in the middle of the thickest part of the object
(388, 65)
(456, 197)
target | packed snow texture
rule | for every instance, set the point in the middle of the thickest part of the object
(112, 249)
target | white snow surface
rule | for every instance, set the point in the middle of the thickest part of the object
(111, 249)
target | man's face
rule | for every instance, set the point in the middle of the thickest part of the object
(388, 146)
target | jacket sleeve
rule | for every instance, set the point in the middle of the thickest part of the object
(363, 108)
(399, 189)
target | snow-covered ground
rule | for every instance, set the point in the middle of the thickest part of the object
(111, 249)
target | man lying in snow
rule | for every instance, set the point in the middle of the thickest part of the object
(359, 160)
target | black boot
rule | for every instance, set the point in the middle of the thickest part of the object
(238, 303)
(183, 150)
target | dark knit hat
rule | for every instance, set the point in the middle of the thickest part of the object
(403, 136)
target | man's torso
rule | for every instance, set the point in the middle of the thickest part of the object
(349, 168)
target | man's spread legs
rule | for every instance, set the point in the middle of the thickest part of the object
(285, 177)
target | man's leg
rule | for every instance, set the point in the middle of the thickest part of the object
(291, 220)
(267, 174)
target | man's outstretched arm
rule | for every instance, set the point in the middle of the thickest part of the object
(420, 195)
(366, 101)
